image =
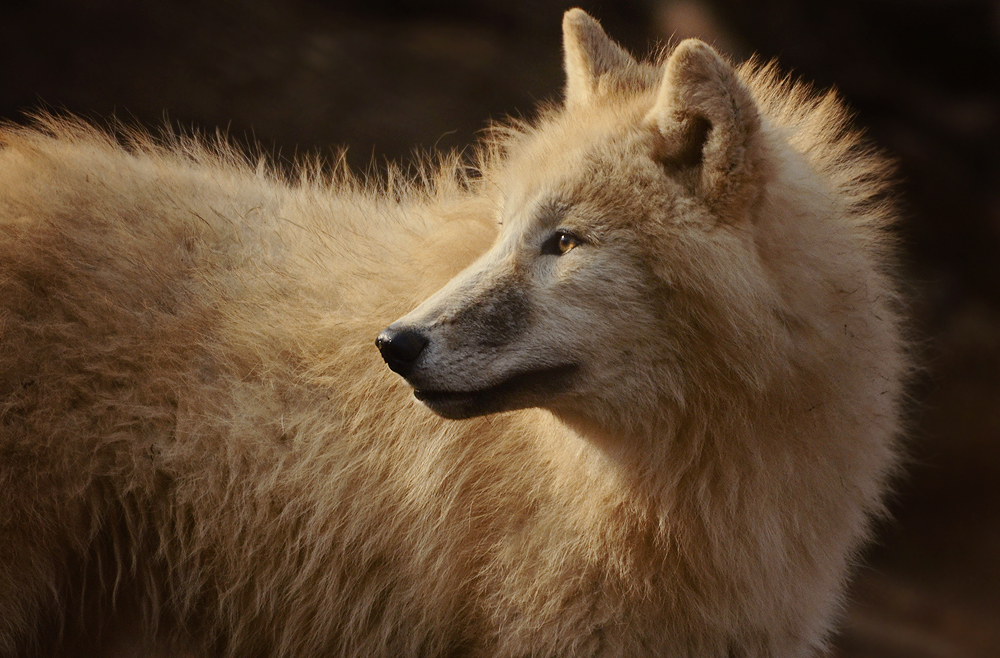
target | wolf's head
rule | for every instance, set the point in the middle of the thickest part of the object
(625, 274)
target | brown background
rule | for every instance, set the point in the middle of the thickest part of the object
(924, 76)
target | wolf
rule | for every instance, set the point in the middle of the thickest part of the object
(644, 384)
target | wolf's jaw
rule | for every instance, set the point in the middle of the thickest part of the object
(526, 389)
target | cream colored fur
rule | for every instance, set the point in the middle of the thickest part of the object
(202, 452)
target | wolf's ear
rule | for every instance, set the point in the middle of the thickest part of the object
(589, 55)
(708, 121)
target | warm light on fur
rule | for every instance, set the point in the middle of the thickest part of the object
(202, 452)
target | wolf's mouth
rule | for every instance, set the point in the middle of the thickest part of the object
(526, 389)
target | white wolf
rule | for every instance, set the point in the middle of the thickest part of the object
(687, 317)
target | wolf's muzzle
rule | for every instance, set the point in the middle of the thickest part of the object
(400, 348)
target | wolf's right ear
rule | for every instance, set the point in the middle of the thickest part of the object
(589, 55)
(708, 122)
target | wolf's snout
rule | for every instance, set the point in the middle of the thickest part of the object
(400, 348)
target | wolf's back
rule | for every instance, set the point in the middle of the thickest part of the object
(185, 353)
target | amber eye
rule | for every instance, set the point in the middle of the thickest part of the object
(560, 242)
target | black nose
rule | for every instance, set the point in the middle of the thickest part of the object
(400, 348)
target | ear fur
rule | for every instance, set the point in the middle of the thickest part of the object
(589, 55)
(708, 120)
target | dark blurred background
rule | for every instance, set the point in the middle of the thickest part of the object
(385, 78)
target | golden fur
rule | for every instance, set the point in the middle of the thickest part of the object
(201, 450)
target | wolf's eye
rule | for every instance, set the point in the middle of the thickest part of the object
(560, 242)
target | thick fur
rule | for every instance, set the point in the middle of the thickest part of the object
(202, 452)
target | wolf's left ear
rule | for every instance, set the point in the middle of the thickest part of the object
(589, 55)
(708, 121)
